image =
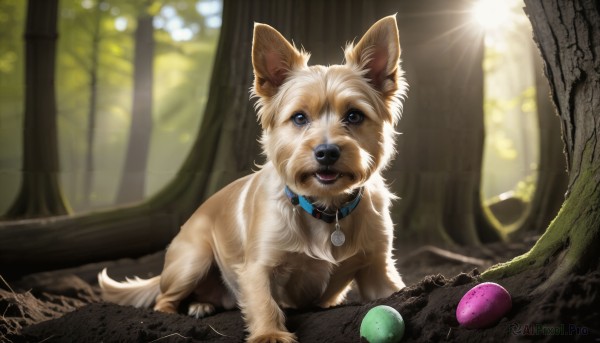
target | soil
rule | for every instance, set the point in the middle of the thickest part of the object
(64, 306)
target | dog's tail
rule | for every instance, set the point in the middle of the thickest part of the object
(135, 292)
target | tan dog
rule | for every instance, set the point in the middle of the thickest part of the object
(315, 217)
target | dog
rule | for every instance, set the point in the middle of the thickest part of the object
(314, 219)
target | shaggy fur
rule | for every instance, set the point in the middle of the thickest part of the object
(248, 244)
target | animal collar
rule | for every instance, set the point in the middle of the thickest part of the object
(320, 212)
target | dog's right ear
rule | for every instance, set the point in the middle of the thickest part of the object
(273, 57)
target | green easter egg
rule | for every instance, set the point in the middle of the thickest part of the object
(382, 324)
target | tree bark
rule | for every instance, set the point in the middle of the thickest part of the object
(567, 35)
(133, 180)
(40, 194)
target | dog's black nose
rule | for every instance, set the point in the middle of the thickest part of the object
(327, 154)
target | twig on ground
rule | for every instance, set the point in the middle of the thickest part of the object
(5, 310)
(6, 283)
(218, 333)
(45, 339)
(170, 335)
(446, 254)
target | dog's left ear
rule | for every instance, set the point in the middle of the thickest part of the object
(273, 58)
(378, 53)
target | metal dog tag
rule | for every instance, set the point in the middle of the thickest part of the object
(337, 237)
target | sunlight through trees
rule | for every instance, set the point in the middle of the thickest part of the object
(94, 92)
(511, 149)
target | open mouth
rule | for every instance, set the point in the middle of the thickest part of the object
(327, 176)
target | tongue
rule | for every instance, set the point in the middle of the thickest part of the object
(327, 176)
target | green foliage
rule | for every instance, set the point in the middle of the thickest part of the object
(500, 136)
(12, 86)
(525, 188)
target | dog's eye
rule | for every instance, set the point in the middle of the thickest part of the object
(299, 119)
(354, 117)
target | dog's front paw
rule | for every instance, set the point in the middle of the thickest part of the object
(274, 337)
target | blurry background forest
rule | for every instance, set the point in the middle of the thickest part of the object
(479, 158)
(95, 94)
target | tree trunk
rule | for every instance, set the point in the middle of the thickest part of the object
(438, 168)
(40, 194)
(91, 127)
(567, 35)
(133, 180)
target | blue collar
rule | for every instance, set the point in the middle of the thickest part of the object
(320, 212)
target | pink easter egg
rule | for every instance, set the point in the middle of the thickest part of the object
(483, 305)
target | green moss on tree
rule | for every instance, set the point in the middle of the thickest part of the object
(571, 237)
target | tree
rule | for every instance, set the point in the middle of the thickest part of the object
(93, 103)
(437, 171)
(566, 34)
(40, 194)
(133, 180)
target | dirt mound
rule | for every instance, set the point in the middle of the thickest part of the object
(66, 308)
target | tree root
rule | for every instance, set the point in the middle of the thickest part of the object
(571, 240)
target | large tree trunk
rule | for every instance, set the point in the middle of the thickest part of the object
(438, 168)
(133, 180)
(567, 35)
(40, 194)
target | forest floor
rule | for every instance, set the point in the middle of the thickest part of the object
(64, 306)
